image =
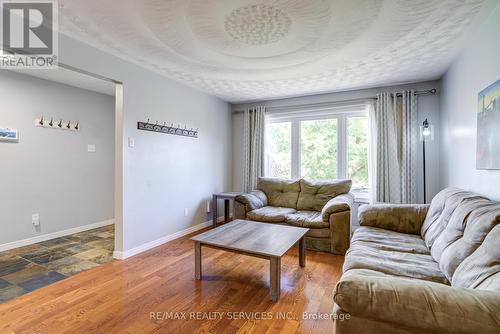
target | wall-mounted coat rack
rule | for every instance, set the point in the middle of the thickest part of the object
(168, 129)
(57, 123)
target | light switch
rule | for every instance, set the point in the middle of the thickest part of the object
(91, 148)
(131, 142)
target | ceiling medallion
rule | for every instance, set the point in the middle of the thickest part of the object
(257, 24)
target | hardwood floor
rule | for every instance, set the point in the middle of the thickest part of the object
(139, 294)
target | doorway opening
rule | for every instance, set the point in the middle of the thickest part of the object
(61, 202)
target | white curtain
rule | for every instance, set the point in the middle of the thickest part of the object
(253, 146)
(394, 133)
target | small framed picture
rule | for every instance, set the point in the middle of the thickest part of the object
(9, 135)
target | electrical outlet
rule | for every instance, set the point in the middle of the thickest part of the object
(91, 148)
(35, 219)
(131, 142)
(186, 212)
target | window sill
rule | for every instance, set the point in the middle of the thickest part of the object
(361, 197)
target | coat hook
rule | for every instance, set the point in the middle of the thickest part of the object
(77, 125)
(69, 125)
(156, 123)
(51, 123)
(60, 123)
(41, 121)
(164, 123)
(171, 125)
(147, 121)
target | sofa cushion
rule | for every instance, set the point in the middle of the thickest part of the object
(364, 255)
(314, 195)
(481, 270)
(309, 219)
(389, 240)
(440, 211)
(279, 192)
(414, 306)
(403, 218)
(469, 224)
(270, 214)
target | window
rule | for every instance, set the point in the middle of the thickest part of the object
(319, 146)
(357, 152)
(279, 149)
(318, 149)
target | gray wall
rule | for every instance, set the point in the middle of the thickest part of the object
(162, 174)
(477, 67)
(428, 107)
(50, 171)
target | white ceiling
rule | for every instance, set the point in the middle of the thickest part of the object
(72, 78)
(243, 50)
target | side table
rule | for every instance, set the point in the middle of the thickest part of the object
(227, 197)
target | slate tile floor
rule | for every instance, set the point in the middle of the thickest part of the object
(31, 267)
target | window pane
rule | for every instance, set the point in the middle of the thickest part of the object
(279, 150)
(357, 152)
(318, 149)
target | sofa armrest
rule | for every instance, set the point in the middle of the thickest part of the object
(402, 218)
(337, 212)
(254, 200)
(260, 195)
(428, 306)
(337, 204)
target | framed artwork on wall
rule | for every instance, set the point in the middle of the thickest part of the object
(9, 135)
(488, 127)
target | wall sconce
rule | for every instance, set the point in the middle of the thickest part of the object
(426, 134)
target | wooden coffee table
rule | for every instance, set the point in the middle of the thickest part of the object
(266, 241)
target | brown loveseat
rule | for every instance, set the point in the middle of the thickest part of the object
(323, 207)
(423, 269)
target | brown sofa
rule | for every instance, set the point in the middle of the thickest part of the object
(323, 207)
(423, 269)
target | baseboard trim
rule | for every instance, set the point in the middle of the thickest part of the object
(53, 235)
(155, 243)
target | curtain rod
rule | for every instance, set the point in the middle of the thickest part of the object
(338, 102)
(422, 92)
